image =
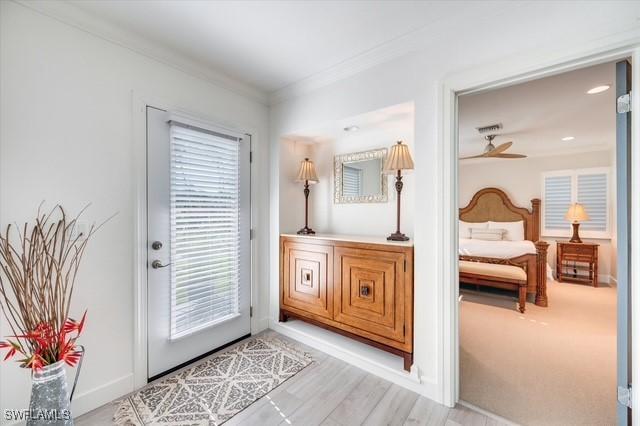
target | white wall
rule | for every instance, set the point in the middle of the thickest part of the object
(377, 219)
(521, 180)
(66, 137)
(513, 39)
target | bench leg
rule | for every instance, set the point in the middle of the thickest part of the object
(522, 298)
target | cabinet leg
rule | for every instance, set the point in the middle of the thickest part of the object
(283, 317)
(408, 360)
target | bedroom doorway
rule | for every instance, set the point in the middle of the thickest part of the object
(543, 185)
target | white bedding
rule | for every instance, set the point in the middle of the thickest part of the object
(495, 249)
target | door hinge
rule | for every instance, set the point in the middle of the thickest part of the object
(251, 156)
(624, 396)
(404, 330)
(623, 104)
(252, 233)
(251, 311)
(405, 265)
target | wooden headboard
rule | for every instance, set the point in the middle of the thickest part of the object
(493, 204)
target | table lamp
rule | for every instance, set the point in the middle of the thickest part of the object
(307, 174)
(575, 215)
(399, 159)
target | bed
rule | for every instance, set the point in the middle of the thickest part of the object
(527, 253)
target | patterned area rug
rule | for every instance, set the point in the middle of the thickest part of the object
(213, 391)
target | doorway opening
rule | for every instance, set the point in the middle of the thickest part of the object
(542, 247)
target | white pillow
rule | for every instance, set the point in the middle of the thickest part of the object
(514, 230)
(464, 228)
(487, 234)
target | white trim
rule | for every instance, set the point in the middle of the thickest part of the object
(486, 413)
(139, 147)
(101, 395)
(332, 347)
(75, 17)
(499, 75)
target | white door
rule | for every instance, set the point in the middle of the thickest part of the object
(199, 273)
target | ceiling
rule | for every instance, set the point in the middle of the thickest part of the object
(270, 44)
(396, 121)
(536, 115)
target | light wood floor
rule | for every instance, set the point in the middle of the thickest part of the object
(332, 392)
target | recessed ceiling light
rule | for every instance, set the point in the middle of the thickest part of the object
(568, 138)
(598, 89)
(351, 128)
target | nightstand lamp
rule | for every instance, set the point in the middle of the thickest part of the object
(575, 215)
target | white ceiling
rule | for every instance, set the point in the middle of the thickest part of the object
(536, 115)
(397, 121)
(272, 44)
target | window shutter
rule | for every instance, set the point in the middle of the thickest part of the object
(351, 181)
(592, 194)
(557, 199)
(205, 231)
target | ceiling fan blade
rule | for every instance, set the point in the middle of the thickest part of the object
(510, 156)
(473, 156)
(499, 149)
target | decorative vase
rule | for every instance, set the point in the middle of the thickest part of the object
(50, 403)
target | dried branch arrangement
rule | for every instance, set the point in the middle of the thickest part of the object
(38, 269)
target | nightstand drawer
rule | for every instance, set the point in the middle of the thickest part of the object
(578, 249)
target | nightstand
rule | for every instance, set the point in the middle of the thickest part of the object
(577, 262)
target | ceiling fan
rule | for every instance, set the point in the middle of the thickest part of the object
(492, 151)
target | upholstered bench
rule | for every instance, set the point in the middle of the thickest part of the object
(507, 277)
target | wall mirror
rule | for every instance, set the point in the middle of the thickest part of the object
(358, 177)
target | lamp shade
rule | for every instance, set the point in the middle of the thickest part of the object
(307, 172)
(399, 158)
(576, 213)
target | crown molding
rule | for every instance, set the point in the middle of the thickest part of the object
(73, 16)
(400, 46)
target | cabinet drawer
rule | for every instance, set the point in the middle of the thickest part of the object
(370, 292)
(578, 250)
(307, 272)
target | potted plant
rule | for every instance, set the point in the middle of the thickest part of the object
(38, 269)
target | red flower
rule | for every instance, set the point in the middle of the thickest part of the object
(46, 346)
(35, 362)
(69, 354)
(72, 325)
(14, 348)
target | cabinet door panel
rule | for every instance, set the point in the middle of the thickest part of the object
(307, 271)
(370, 290)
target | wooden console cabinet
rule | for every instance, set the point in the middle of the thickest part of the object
(358, 287)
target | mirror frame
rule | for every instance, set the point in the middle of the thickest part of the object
(339, 160)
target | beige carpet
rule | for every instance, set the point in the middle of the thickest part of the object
(548, 366)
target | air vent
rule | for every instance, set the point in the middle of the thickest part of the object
(489, 128)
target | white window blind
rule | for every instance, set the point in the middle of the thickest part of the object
(205, 230)
(590, 187)
(592, 193)
(557, 199)
(351, 181)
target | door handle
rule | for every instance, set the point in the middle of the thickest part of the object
(156, 264)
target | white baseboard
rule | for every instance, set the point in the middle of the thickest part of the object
(101, 395)
(258, 325)
(365, 357)
(489, 414)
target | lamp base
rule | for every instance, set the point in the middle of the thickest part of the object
(306, 231)
(575, 238)
(397, 236)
